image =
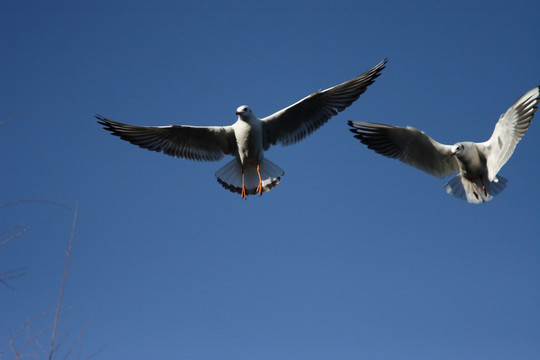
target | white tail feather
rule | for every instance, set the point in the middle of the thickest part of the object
(464, 189)
(230, 176)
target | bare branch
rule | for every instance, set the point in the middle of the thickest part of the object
(58, 306)
(97, 352)
(12, 117)
(34, 201)
(22, 328)
(25, 229)
(10, 275)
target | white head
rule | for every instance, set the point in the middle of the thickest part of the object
(457, 149)
(243, 111)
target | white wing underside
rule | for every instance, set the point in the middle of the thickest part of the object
(203, 143)
(300, 119)
(407, 144)
(471, 192)
(509, 130)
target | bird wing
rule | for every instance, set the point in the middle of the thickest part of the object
(297, 121)
(203, 143)
(410, 145)
(509, 130)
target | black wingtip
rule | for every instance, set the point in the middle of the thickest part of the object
(101, 119)
(104, 122)
(354, 129)
(354, 124)
(383, 63)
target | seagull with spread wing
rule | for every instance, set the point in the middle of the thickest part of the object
(477, 163)
(249, 137)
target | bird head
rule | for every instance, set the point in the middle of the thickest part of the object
(243, 112)
(457, 149)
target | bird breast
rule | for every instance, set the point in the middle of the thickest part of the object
(249, 142)
(471, 163)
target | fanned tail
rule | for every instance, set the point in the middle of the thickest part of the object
(230, 177)
(464, 189)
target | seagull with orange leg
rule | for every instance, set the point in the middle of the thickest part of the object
(249, 137)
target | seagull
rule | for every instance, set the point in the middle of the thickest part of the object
(477, 163)
(246, 140)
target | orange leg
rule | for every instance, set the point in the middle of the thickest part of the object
(484, 187)
(473, 191)
(244, 195)
(259, 188)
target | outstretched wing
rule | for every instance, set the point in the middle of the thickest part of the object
(410, 145)
(297, 121)
(509, 130)
(203, 143)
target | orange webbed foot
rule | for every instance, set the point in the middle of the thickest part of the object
(244, 195)
(473, 191)
(259, 188)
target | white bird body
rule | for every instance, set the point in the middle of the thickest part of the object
(257, 174)
(477, 163)
(249, 137)
(248, 134)
(471, 162)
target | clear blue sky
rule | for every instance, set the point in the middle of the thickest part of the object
(352, 256)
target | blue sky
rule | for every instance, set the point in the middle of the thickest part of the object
(352, 256)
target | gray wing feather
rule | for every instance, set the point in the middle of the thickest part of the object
(203, 143)
(509, 130)
(297, 121)
(409, 145)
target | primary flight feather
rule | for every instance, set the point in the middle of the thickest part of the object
(247, 139)
(477, 163)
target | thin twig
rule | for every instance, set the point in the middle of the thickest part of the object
(10, 275)
(15, 235)
(21, 329)
(11, 229)
(101, 349)
(14, 347)
(34, 201)
(12, 117)
(58, 306)
(30, 342)
(80, 340)
(34, 338)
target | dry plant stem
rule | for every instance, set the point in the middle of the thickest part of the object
(33, 201)
(12, 117)
(10, 275)
(24, 327)
(3, 242)
(68, 255)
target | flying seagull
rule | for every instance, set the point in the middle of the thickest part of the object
(477, 163)
(249, 172)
